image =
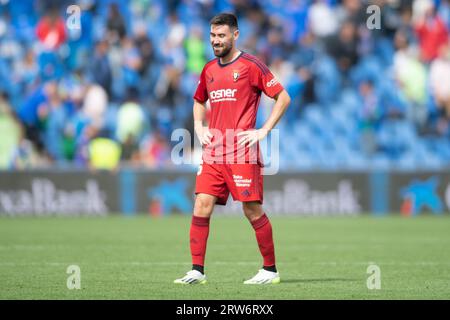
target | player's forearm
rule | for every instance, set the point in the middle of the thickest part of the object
(199, 113)
(282, 103)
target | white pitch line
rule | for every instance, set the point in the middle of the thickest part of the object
(299, 246)
(164, 263)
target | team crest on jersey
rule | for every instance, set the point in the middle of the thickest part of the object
(235, 75)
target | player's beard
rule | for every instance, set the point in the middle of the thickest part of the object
(226, 48)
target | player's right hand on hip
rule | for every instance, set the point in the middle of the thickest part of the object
(203, 135)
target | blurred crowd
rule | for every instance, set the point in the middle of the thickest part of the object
(109, 88)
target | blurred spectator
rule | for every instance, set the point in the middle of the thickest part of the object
(11, 132)
(130, 150)
(54, 128)
(369, 116)
(95, 104)
(50, 66)
(81, 39)
(51, 30)
(352, 10)
(25, 156)
(131, 62)
(130, 124)
(66, 85)
(195, 51)
(167, 88)
(444, 12)
(99, 68)
(440, 80)
(86, 134)
(406, 25)
(390, 18)
(322, 19)
(155, 152)
(72, 91)
(145, 47)
(104, 153)
(172, 48)
(115, 24)
(420, 8)
(431, 32)
(343, 47)
(305, 53)
(393, 103)
(411, 76)
(34, 112)
(26, 71)
(275, 46)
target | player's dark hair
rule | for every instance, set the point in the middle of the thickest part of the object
(228, 19)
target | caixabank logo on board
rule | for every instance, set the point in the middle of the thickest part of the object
(43, 197)
(425, 195)
(169, 196)
(300, 197)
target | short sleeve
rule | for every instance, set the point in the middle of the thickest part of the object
(264, 80)
(201, 95)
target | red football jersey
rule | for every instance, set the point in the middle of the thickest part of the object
(234, 91)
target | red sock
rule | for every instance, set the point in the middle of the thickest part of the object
(263, 230)
(199, 235)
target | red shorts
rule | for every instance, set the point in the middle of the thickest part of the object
(244, 181)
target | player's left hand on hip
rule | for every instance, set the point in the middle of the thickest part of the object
(251, 136)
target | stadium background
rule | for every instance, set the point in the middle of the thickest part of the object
(107, 90)
(87, 108)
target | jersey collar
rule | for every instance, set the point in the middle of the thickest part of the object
(228, 63)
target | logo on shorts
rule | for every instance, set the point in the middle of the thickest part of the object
(246, 193)
(239, 181)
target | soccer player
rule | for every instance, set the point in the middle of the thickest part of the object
(232, 83)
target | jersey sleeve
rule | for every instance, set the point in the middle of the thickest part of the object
(264, 80)
(201, 94)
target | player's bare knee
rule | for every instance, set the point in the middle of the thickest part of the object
(203, 207)
(252, 211)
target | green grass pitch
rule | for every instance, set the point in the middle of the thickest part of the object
(139, 257)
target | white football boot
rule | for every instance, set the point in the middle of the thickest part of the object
(192, 277)
(264, 277)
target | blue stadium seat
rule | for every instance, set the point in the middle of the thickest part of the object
(369, 68)
(342, 121)
(380, 161)
(425, 156)
(356, 160)
(303, 160)
(322, 128)
(327, 79)
(350, 101)
(111, 117)
(407, 161)
(313, 116)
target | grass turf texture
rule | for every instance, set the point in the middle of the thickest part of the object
(139, 257)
